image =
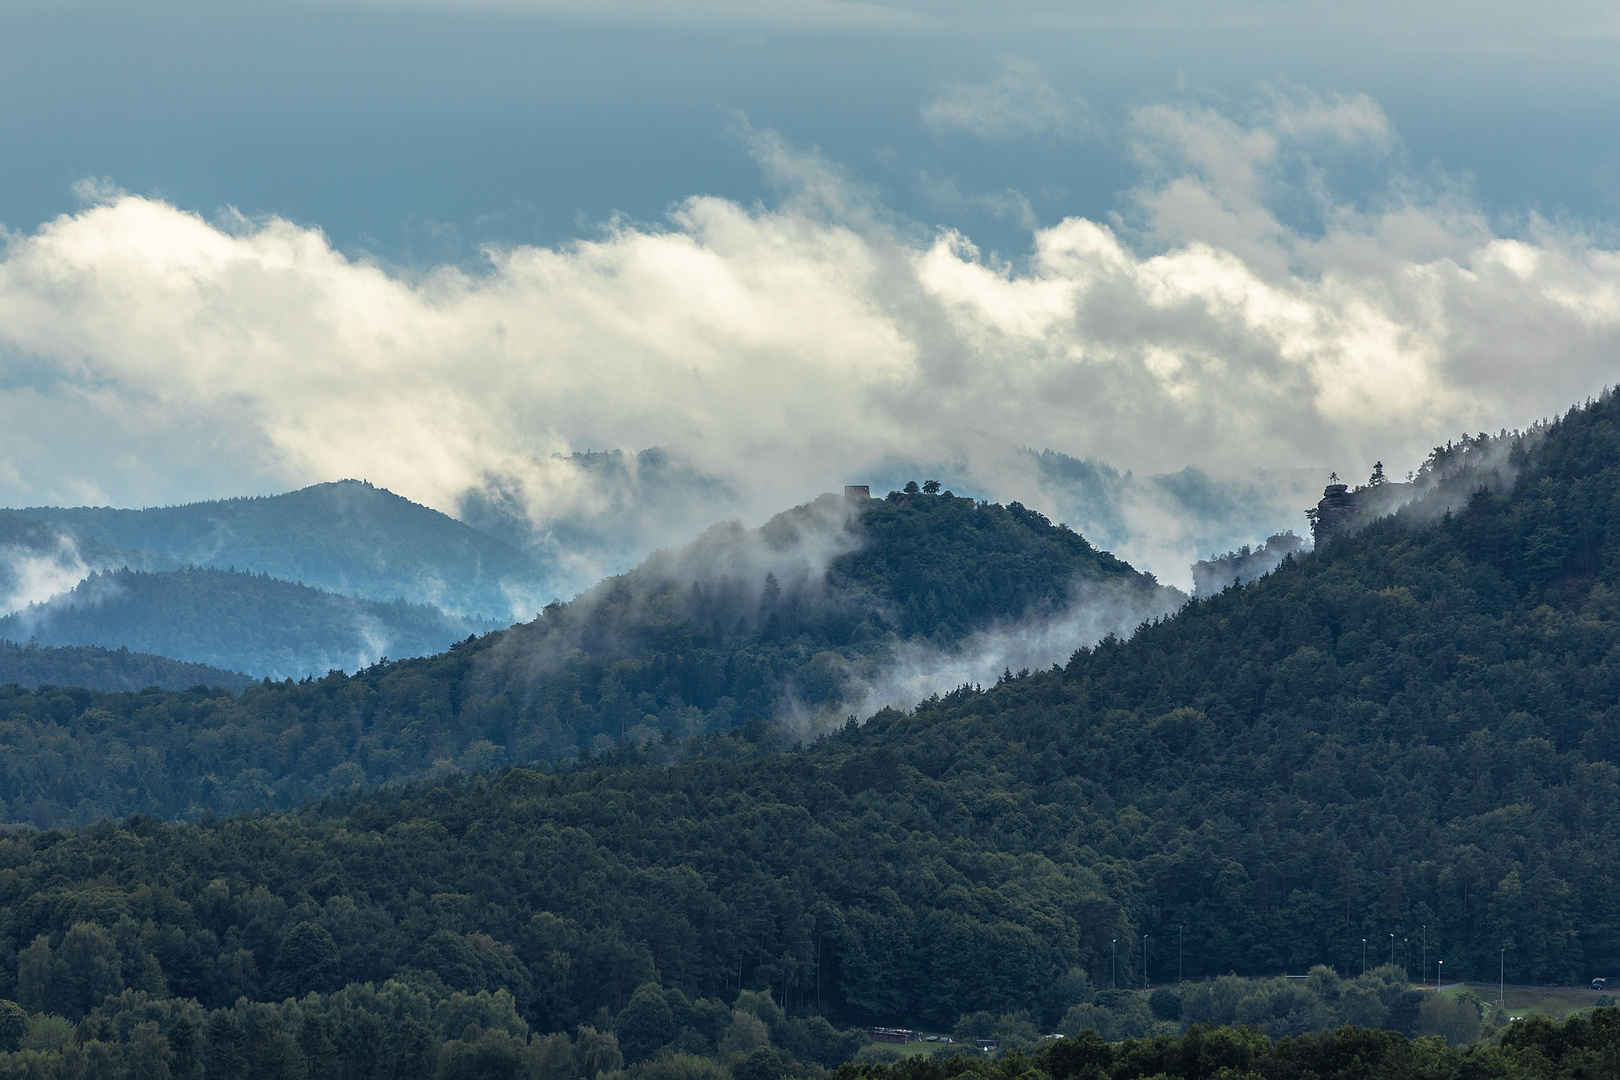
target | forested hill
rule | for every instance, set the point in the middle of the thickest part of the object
(1405, 737)
(347, 537)
(234, 620)
(107, 669)
(794, 619)
(805, 616)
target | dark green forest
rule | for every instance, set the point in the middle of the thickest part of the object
(234, 620)
(656, 654)
(347, 537)
(791, 619)
(1406, 737)
(107, 669)
(1533, 1049)
(411, 1029)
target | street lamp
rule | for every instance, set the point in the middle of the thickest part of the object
(1439, 968)
(1144, 961)
(1501, 978)
(1364, 956)
(1392, 950)
(1178, 955)
(1425, 954)
(1113, 956)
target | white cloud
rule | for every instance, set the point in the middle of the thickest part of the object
(1019, 101)
(33, 575)
(788, 350)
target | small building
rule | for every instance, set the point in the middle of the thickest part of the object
(858, 492)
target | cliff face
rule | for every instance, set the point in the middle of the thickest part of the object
(1344, 510)
(1244, 565)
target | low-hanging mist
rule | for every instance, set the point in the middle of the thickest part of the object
(915, 671)
(31, 576)
(236, 621)
(830, 610)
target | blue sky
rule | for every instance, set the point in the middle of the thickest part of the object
(442, 246)
(417, 131)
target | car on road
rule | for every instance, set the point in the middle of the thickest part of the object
(1599, 984)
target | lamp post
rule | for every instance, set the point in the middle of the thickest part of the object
(1364, 956)
(1425, 979)
(1439, 969)
(1144, 961)
(1113, 957)
(1501, 978)
(1178, 954)
(1392, 950)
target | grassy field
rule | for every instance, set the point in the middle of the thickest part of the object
(1553, 1001)
(897, 1051)
(917, 1049)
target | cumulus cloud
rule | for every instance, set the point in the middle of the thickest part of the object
(1019, 101)
(785, 350)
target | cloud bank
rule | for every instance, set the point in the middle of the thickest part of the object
(1235, 317)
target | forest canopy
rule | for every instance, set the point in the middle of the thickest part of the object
(1408, 736)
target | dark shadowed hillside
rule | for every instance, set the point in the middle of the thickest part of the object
(802, 617)
(1407, 737)
(107, 669)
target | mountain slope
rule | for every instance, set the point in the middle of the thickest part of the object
(347, 537)
(799, 619)
(1410, 732)
(808, 617)
(238, 620)
(107, 669)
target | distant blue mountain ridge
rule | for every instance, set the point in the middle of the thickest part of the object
(33, 666)
(241, 621)
(336, 575)
(346, 537)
